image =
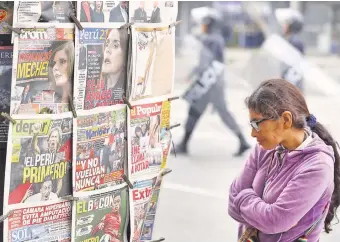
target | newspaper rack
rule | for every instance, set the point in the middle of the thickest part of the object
(15, 30)
(8, 117)
(126, 179)
(126, 101)
(158, 240)
(5, 216)
(76, 21)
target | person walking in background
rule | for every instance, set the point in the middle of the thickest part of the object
(212, 51)
(289, 188)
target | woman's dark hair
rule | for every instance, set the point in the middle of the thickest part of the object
(275, 96)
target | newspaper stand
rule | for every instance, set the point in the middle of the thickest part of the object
(121, 186)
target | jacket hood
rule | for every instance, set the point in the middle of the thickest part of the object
(314, 146)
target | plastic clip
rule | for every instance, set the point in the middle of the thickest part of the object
(16, 30)
(8, 117)
(173, 126)
(76, 21)
(158, 240)
(126, 179)
(5, 216)
(70, 198)
(127, 25)
(126, 102)
(166, 171)
(173, 98)
(73, 109)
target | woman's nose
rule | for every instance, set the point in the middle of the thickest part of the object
(253, 133)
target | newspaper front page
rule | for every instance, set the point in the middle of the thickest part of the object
(39, 223)
(100, 68)
(101, 216)
(140, 197)
(149, 140)
(39, 155)
(153, 53)
(153, 12)
(6, 56)
(6, 16)
(33, 12)
(42, 70)
(103, 11)
(99, 148)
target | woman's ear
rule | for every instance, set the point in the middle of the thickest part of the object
(287, 119)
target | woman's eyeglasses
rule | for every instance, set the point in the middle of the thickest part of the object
(255, 123)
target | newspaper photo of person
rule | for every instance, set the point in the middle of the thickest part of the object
(149, 222)
(140, 197)
(153, 11)
(99, 148)
(43, 66)
(6, 16)
(148, 150)
(101, 81)
(39, 159)
(6, 58)
(101, 216)
(103, 11)
(43, 12)
(48, 222)
(153, 62)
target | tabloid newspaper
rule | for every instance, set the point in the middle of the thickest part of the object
(42, 70)
(33, 12)
(153, 11)
(101, 216)
(39, 223)
(6, 16)
(100, 67)
(99, 148)
(39, 153)
(140, 197)
(153, 53)
(150, 217)
(6, 55)
(147, 152)
(103, 11)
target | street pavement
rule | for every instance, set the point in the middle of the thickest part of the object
(194, 197)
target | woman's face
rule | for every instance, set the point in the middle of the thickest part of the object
(270, 132)
(113, 53)
(60, 68)
(98, 5)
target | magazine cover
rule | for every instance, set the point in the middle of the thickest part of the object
(39, 153)
(101, 62)
(6, 16)
(150, 217)
(6, 55)
(42, 74)
(153, 11)
(101, 216)
(103, 11)
(33, 12)
(153, 62)
(39, 223)
(140, 197)
(99, 148)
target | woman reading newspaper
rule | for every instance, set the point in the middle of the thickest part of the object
(289, 188)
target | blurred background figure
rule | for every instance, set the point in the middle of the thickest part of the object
(212, 50)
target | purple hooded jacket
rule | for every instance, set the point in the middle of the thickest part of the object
(298, 189)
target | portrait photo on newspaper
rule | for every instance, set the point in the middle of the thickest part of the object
(43, 12)
(43, 62)
(101, 62)
(48, 222)
(140, 197)
(6, 16)
(101, 216)
(153, 11)
(153, 53)
(39, 155)
(6, 56)
(104, 11)
(99, 148)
